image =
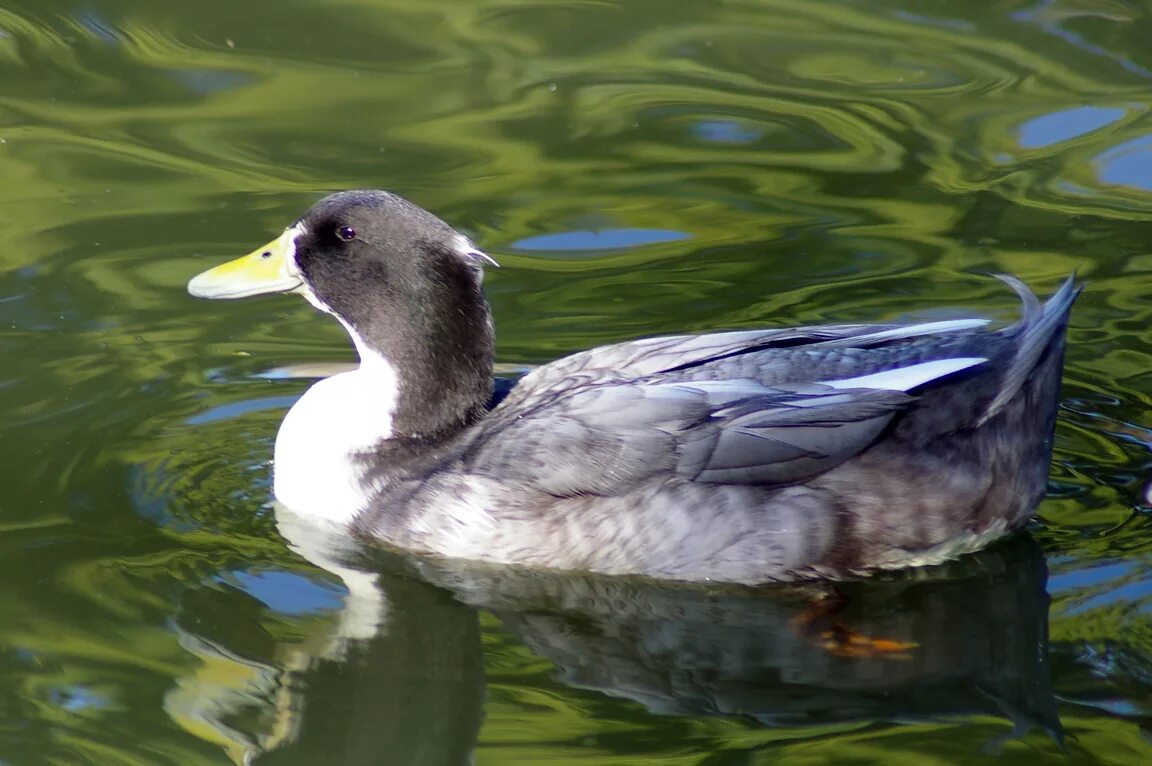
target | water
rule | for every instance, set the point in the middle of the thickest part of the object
(637, 168)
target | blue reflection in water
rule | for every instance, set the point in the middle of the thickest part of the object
(1048, 16)
(287, 592)
(77, 698)
(1067, 124)
(1108, 582)
(601, 239)
(1130, 593)
(720, 131)
(206, 82)
(1076, 579)
(99, 27)
(238, 409)
(1129, 164)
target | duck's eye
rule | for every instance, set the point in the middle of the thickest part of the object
(346, 233)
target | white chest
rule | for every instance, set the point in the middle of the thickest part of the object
(317, 471)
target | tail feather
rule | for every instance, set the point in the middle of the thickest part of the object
(1041, 326)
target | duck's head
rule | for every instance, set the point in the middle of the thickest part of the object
(405, 285)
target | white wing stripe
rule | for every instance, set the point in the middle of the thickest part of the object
(905, 378)
(916, 330)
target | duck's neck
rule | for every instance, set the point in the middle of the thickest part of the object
(439, 354)
(425, 374)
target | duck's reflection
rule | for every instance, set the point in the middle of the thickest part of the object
(970, 637)
(399, 679)
(394, 677)
(411, 695)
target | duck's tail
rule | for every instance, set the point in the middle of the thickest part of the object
(1041, 330)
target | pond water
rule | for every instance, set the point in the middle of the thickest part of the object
(637, 167)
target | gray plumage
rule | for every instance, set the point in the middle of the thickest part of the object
(722, 457)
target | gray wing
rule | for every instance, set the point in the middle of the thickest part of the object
(634, 360)
(604, 421)
(606, 439)
(708, 408)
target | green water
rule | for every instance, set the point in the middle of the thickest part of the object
(636, 168)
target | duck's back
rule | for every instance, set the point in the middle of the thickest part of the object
(751, 456)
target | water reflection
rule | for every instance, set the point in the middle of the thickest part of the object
(1065, 125)
(828, 161)
(1057, 17)
(411, 694)
(1129, 164)
(972, 636)
(599, 239)
(397, 673)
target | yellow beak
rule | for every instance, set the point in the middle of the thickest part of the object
(268, 269)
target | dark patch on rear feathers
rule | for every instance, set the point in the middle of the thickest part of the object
(845, 554)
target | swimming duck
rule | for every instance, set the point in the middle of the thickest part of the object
(746, 457)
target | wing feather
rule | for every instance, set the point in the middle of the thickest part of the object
(765, 407)
(609, 438)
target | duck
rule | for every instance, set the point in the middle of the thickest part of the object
(749, 456)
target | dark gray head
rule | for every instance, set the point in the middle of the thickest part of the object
(405, 285)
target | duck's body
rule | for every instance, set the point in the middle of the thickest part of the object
(742, 457)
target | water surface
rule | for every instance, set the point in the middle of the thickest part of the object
(636, 167)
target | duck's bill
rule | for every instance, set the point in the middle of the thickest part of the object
(267, 269)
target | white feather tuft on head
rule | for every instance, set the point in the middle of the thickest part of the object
(467, 248)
